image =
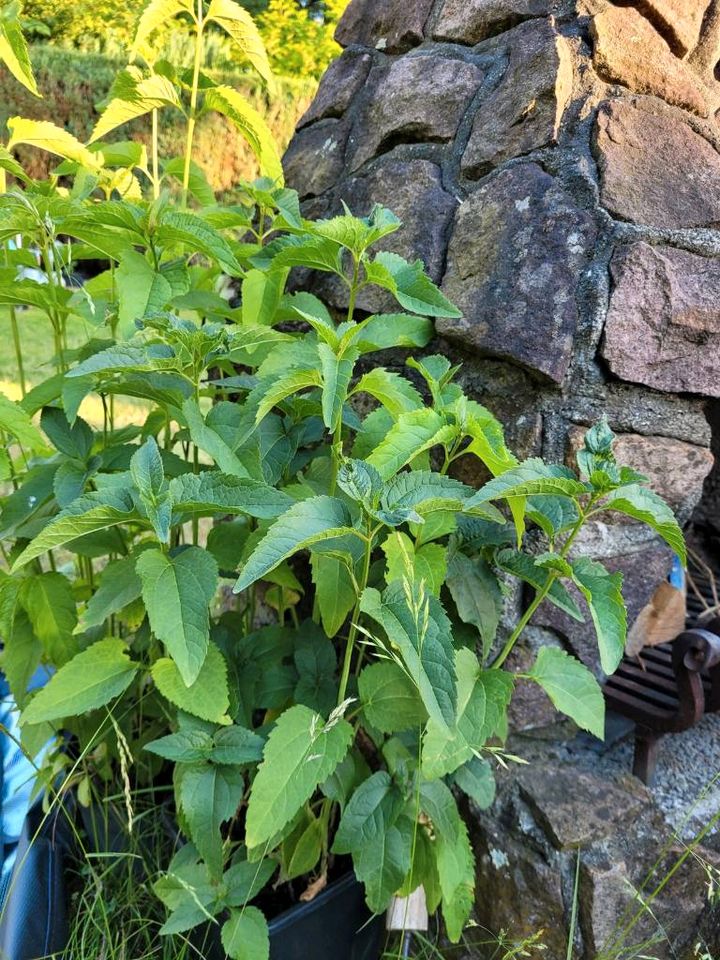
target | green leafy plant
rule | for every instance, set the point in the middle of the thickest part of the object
(272, 585)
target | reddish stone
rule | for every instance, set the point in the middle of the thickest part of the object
(663, 325)
(628, 50)
(655, 169)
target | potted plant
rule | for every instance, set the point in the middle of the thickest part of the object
(321, 716)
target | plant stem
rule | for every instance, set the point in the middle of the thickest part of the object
(352, 634)
(192, 118)
(154, 151)
(18, 350)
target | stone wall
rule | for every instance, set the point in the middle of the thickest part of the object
(556, 167)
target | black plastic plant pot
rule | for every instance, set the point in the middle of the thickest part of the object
(337, 923)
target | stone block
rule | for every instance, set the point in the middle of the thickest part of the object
(470, 21)
(414, 99)
(517, 250)
(391, 25)
(680, 21)
(640, 148)
(340, 82)
(524, 111)
(628, 50)
(313, 163)
(663, 325)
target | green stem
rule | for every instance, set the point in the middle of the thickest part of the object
(155, 159)
(539, 596)
(195, 520)
(352, 634)
(192, 117)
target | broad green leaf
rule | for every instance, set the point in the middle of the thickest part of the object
(410, 285)
(412, 434)
(49, 602)
(91, 679)
(373, 808)
(245, 879)
(302, 850)
(156, 14)
(423, 638)
(642, 504)
(240, 27)
(475, 778)
(177, 592)
(143, 94)
(197, 184)
(253, 127)
(182, 227)
(74, 440)
(443, 753)
(119, 585)
(141, 291)
(22, 650)
(425, 492)
(336, 375)
(334, 590)
(206, 697)
(14, 50)
(305, 523)
(56, 140)
(86, 515)
(209, 795)
(427, 564)
(16, 422)
(280, 388)
(603, 592)
(390, 699)
(301, 753)
(185, 746)
(572, 688)
(212, 493)
(245, 933)
(528, 479)
(10, 165)
(388, 330)
(394, 392)
(522, 565)
(477, 595)
(456, 872)
(211, 442)
(316, 665)
(236, 746)
(382, 865)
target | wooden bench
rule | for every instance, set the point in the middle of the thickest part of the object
(667, 689)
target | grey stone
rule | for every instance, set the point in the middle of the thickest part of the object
(340, 82)
(516, 253)
(314, 160)
(470, 21)
(663, 325)
(524, 112)
(642, 573)
(556, 795)
(392, 25)
(413, 99)
(640, 150)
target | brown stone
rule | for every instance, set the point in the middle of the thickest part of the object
(663, 325)
(640, 150)
(392, 25)
(678, 20)
(340, 82)
(515, 257)
(523, 113)
(413, 99)
(556, 794)
(628, 50)
(470, 21)
(676, 470)
(314, 160)
(642, 572)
